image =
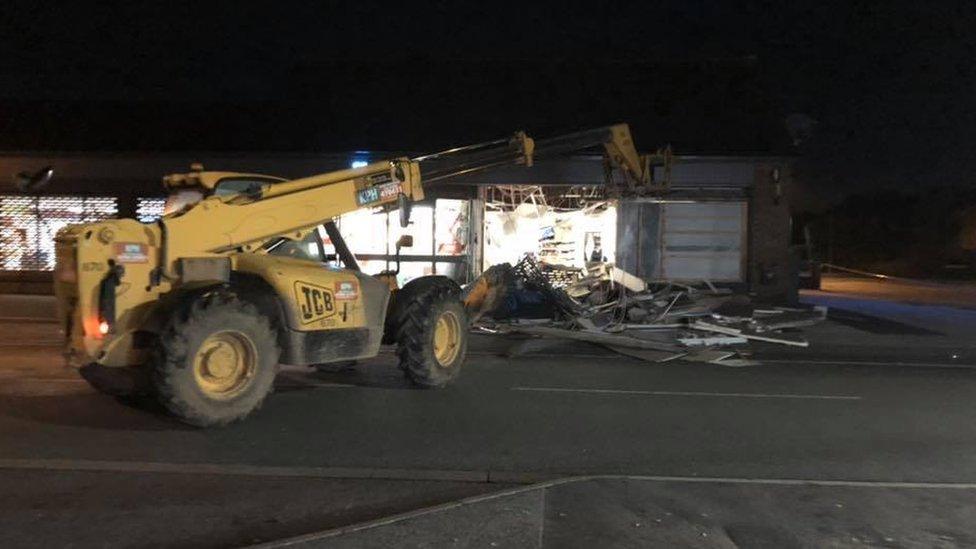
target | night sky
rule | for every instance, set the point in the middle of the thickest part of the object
(883, 92)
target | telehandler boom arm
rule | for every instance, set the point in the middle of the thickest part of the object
(245, 222)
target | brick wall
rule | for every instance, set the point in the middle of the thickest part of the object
(771, 272)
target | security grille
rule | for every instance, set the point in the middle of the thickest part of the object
(148, 210)
(28, 225)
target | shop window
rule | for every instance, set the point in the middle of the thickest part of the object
(149, 210)
(567, 238)
(28, 225)
(456, 271)
(421, 227)
(372, 266)
(451, 228)
(365, 231)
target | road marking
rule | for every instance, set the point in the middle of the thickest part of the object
(865, 363)
(536, 478)
(289, 381)
(684, 393)
(41, 379)
(534, 355)
(764, 360)
(238, 469)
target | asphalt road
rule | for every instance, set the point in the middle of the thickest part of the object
(542, 414)
(896, 406)
(113, 509)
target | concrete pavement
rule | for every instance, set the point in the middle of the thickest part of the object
(644, 512)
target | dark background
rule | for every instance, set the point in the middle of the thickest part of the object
(874, 98)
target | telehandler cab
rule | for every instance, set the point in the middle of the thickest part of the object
(199, 308)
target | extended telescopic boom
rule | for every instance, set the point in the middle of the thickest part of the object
(619, 152)
(293, 206)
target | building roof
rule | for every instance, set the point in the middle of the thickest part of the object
(716, 107)
(140, 174)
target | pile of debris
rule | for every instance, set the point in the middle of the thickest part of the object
(611, 307)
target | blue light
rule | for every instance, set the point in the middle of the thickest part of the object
(358, 164)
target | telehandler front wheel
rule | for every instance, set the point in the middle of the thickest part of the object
(215, 362)
(432, 336)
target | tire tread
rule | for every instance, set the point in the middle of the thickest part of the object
(171, 356)
(413, 335)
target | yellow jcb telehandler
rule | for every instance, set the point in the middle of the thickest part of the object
(199, 308)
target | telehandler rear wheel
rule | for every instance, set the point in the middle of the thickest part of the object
(215, 362)
(432, 335)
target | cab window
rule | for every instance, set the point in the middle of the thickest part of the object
(249, 186)
(309, 248)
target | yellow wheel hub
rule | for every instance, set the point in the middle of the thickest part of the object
(447, 338)
(224, 364)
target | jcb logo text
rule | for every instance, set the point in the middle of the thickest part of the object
(314, 302)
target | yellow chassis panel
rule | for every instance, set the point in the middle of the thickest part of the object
(315, 297)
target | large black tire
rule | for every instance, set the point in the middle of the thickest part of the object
(176, 374)
(417, 320)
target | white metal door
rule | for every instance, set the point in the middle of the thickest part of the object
(703, 241)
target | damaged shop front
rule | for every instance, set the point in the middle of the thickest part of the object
(722, 220)
(698, 271)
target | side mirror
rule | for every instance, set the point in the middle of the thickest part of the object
(27, 182)
(405, 241)
(404, 204)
